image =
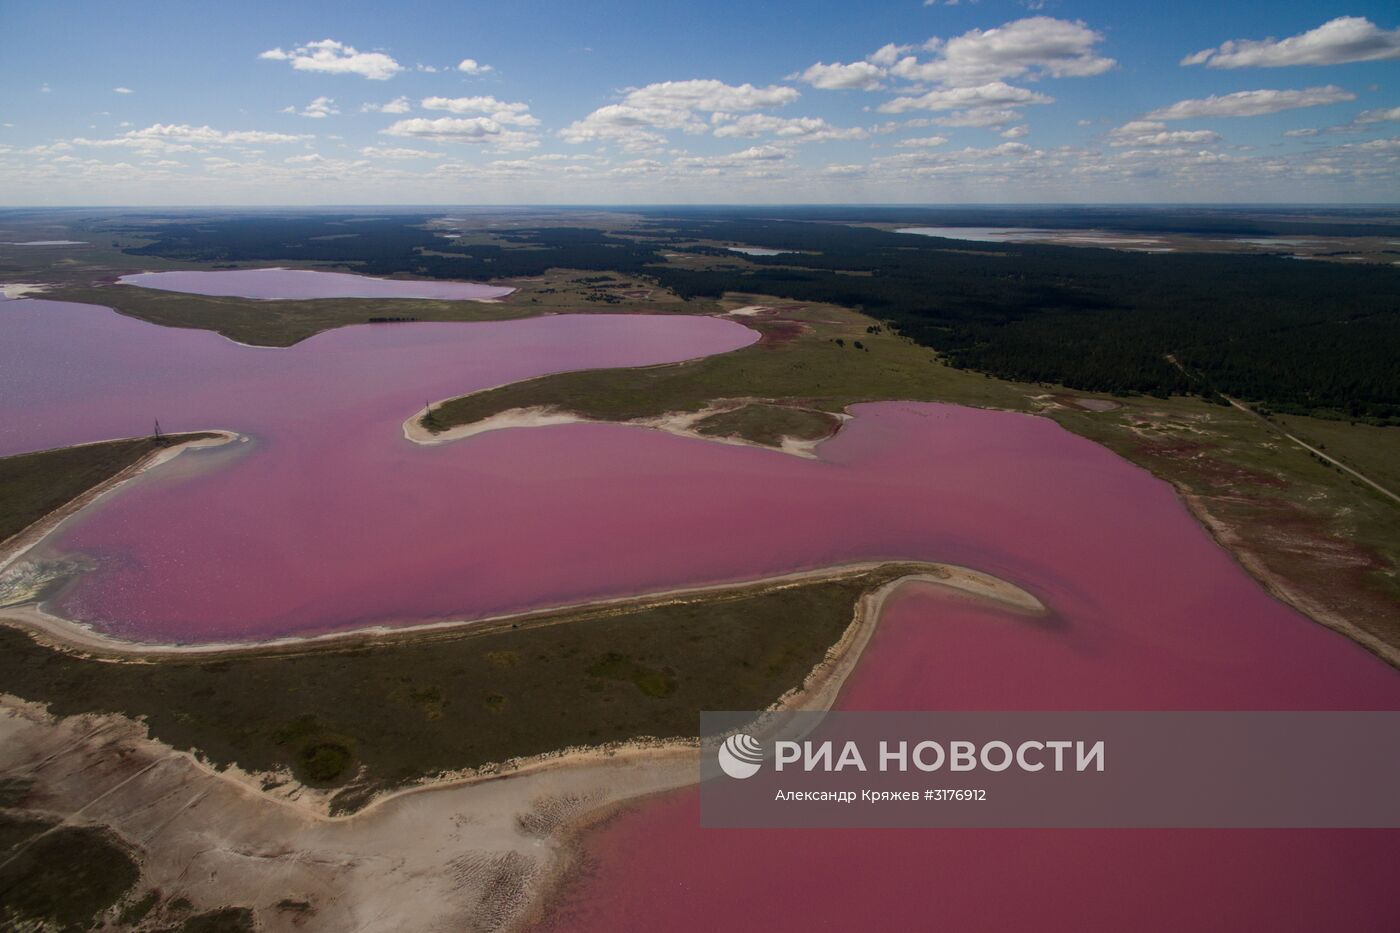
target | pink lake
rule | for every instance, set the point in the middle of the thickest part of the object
(308, 283)
(328, 518)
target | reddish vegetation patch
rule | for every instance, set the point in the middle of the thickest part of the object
(1213, 471)
(1335, 575)
(778, 332)
(1307, 556)
(1078, 403)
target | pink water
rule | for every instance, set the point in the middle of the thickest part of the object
(653, 867)
(329, 519)
(307, 283)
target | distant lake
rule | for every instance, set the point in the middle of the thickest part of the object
(1027, 234)
(308, 283)
(757, 251)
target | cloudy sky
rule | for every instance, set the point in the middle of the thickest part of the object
(929, 101)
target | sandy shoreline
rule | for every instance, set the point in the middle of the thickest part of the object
(679, 423)
(478, 849)
(56, 631)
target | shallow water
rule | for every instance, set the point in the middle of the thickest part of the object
(308, 283)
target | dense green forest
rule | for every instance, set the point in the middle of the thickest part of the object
(1297, 336)
(388, 245)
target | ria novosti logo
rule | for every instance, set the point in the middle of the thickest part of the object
(740, 756)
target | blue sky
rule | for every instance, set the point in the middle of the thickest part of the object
(632, 102)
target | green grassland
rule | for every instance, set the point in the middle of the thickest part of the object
(274, 323)
(770, 424)
(374, 713)
(1371, 449)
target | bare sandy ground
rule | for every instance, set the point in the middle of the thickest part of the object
(12, 290)
(477, 851)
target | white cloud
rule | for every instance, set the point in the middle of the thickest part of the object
(754, 162)
(473, 67)
(1336, 42)
(887, 54)
(710, 95)
(862, 75)
(922, 142)
(1031, 48)
(1016, 132)
(992, 94)
(794, 129)
(1154, 133)
(394, 152)
(513, 113)
(634, 128)
(318, 109)
(181, 137)
(122, 90)
(475, 130)
(331, 57)
(397, 105)
(1034, 47)
(983, 117)
(1251, 103)
(640, 121)
(1378, 116)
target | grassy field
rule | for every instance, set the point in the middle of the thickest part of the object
(769, 424)
(33, 485)
(374, 714)
(273, 323)
(1372, 450)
